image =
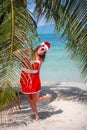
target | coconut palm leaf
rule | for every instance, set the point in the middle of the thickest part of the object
(69, 16)
(17, 32)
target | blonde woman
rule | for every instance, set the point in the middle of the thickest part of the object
(30, 78)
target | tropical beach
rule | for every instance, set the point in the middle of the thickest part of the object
(63, 74)
(68, 108)
(58, 65)
(66, 111)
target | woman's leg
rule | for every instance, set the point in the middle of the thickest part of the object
(38, 98)
(33, 99)
(33, 106)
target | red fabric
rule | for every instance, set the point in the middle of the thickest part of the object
(30, 82)
(47, 44)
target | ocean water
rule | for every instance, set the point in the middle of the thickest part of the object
(58, 65)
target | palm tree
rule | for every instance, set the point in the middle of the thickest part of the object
(70, 17)
(17, 31)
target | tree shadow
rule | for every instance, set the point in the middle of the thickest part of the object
(46, 114)
(66, 92)
(58, 91)
(73, 93)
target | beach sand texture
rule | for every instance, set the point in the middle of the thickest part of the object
(66, 111)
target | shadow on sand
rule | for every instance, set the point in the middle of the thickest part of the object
(46, 114)
(58, 92)
(66, 92)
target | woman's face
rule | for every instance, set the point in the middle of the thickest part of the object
(41, 50)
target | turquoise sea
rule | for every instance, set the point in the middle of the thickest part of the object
(58, 65)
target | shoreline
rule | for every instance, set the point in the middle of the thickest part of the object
(66, 111)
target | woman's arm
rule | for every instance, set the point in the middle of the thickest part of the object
(19, 52)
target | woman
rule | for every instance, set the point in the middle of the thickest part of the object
(30, 80)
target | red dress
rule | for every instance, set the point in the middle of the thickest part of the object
(30, 80)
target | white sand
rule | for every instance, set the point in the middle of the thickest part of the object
(66, 111)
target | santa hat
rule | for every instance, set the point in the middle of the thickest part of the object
(46, 45)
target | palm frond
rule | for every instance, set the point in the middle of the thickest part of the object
(17, 31)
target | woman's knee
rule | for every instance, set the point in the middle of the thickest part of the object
(35, 98)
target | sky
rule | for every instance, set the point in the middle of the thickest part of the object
(42, 21)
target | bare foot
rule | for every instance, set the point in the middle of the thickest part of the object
(48, 96)
(36, 117)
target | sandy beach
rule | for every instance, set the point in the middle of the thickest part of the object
(66, 111)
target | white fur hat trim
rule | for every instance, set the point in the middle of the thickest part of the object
(43, 43)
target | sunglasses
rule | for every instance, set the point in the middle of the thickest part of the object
(42, 49)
